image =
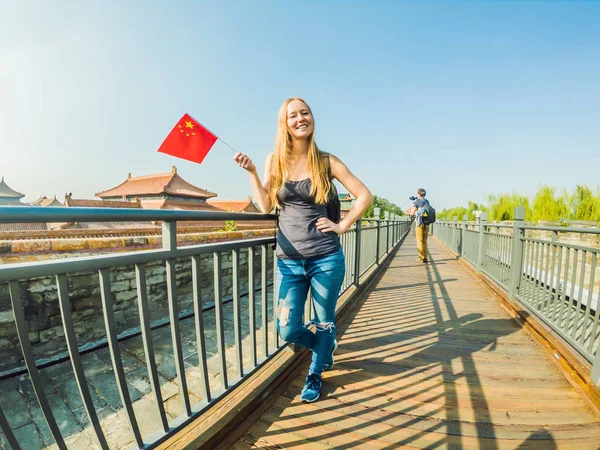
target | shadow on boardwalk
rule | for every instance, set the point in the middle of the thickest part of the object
(428, 359)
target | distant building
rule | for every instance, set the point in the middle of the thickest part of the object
(235, 206)
(82, 203)
(8, 196)
(71, 202)
(45, 201)
(160, 191)
(345, 203)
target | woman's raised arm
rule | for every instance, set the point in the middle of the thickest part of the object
(260, 191)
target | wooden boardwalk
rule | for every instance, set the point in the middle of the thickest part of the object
(429, 359)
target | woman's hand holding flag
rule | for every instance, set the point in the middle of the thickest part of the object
(244, 162)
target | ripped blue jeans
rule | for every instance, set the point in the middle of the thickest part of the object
(324, 275)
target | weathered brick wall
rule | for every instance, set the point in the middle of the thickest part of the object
(42, 312)
(35, 249)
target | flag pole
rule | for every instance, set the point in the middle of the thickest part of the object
(227, 144)
(215, 134)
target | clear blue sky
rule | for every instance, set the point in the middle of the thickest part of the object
(462, 98)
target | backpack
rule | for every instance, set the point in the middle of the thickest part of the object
(430, 217)
(334, 207)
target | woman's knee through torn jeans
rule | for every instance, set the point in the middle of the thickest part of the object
(324, 275)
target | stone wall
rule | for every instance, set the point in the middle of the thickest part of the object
(42, 312)
(36, 249)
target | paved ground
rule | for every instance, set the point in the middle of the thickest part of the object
(429, 359)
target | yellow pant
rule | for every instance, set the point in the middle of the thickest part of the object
(422, 232)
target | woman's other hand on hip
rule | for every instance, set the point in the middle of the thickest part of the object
(325, 225)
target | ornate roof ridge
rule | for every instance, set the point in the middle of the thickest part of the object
(7, 192)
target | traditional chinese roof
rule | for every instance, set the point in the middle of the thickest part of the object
(7, 192)
(162, 183)
(344, 196)
(235, 205)
(45, 201)
(82, 203)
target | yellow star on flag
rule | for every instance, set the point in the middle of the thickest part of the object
(188, 124)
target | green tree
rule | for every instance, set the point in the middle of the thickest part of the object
(460, 211)
(584, 204)
(547, 206)
(581, 204)
(502, 207)
(385, 205)
(449, 214)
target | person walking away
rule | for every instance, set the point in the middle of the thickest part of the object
(421, 228)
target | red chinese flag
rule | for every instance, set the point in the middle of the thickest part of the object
(188, 140)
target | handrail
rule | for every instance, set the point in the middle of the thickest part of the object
(563, 229)
(34, 214)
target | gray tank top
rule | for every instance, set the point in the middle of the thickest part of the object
(297, 235)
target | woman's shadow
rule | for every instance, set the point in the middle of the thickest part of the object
(406, 360)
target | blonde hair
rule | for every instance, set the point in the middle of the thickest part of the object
(318, 161)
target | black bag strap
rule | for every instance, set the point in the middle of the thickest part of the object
(274, 246)
(328, 164)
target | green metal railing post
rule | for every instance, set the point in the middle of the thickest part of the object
(482, 241)
(169, 235)
(377, 243)
(357, 254)
(463, 235)
(376, 213)
(454, 228)
(595, 374)
(387, 232)
(517, 253)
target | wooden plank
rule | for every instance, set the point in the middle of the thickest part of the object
(390, 368)
(492, 349)
(380, 422)
(441, 406)
(436, 351)
(290, 431)
(416, 385)
(460, 396)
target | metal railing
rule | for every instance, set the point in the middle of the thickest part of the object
(555, 280)
(364, 247)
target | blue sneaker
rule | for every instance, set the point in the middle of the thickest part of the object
(312, 388)
(329, 365)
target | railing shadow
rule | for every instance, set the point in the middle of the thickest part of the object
(402, 367)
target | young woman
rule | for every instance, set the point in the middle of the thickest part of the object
(298, 181)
